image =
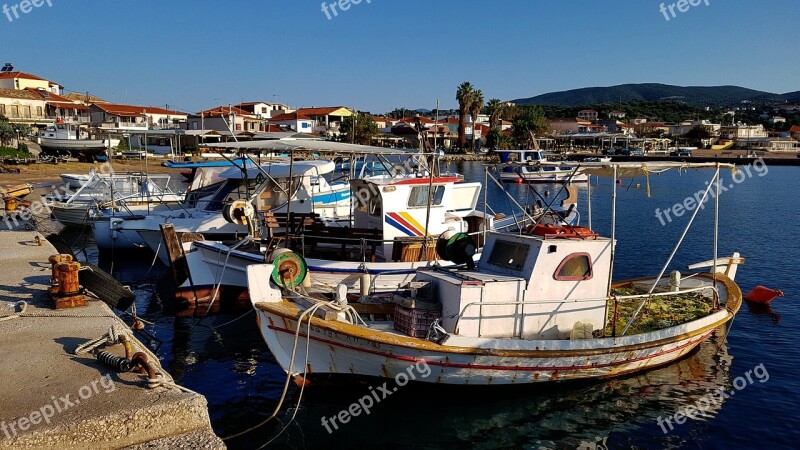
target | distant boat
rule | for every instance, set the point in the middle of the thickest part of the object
(61, 139)
(532, 166)
(601, 159)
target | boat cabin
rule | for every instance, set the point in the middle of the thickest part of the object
(399, 207)
(526, 287)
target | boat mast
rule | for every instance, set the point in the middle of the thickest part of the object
(613, 227)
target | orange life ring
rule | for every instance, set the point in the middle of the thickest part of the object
(551, 230)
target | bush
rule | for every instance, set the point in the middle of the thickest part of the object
(23, 148)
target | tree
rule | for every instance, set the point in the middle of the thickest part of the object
(465, 95)
(6, 132)
(697, 134)
(399, 113)
(474, 110)
(529, 123)
(496, 140)
(22, 128)
(495, 109)
(363, 131)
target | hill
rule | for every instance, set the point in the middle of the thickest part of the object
(714, 96)
(792, 97)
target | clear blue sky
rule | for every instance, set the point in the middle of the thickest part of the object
(391, 53)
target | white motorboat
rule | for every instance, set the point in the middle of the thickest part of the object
(531, 166)
(62, 138)
(121, 194)
(269, 183)
(539, 307)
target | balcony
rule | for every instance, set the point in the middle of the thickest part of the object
(70, 119)
(124, 125)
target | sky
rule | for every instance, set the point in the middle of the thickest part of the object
(378, 55)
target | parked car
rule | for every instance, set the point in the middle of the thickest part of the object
(636, 152)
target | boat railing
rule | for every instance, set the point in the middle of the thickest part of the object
(608, 300)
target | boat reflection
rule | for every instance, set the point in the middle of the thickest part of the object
(577, 415)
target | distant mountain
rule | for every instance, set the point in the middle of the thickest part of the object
(792, 97)
(423, 111)
(715, 96)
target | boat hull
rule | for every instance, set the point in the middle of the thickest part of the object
(338, 347)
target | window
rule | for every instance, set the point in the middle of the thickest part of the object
(3, 109)
(508, 255)
(419, 196)
(306, 125)
(13, 111)
(26, 111)
(39, 112)
(575, 267)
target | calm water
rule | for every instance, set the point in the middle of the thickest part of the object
(231, 366)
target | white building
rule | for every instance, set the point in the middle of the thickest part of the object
(10, 79)
(264, 110)
(23, 106)
(133, 117)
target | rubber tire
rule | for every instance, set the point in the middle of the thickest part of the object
(105, 287)
(61, 245)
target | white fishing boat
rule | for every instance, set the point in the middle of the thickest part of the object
(269, 183)
(121, 194)
(539, 307)
(62, 138)
(532, 166)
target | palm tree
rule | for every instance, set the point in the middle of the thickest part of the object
(475, 109)
(465, 95)
(495, 109)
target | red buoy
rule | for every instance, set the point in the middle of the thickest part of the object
(761, 294)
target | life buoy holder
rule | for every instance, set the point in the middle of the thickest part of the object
(556, 231)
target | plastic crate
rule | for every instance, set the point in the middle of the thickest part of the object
(414, 322)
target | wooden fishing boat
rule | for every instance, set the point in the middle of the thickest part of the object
(539, 307)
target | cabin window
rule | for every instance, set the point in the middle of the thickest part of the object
(419, 196)
(508, 255)
(575, 267)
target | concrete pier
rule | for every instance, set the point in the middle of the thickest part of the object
(53, 398)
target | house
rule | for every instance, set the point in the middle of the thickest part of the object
(778, 119)
(615, 126)
(294, 121)
(646, 128)
(571, 126)
(134, 117)
(327, 120)
(616, 114)
(639, 120)
(687, 125)
(23, 106)
(743, 132)
(264, 110)
(224, 118)
(61, 109)
(9, 79)
(588, 114)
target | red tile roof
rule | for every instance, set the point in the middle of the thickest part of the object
(224, 111)
(794, 129)
(19, 94)
(319, 111)
(50, 97)
(134, 110)
(6, 75)
(290, 116)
